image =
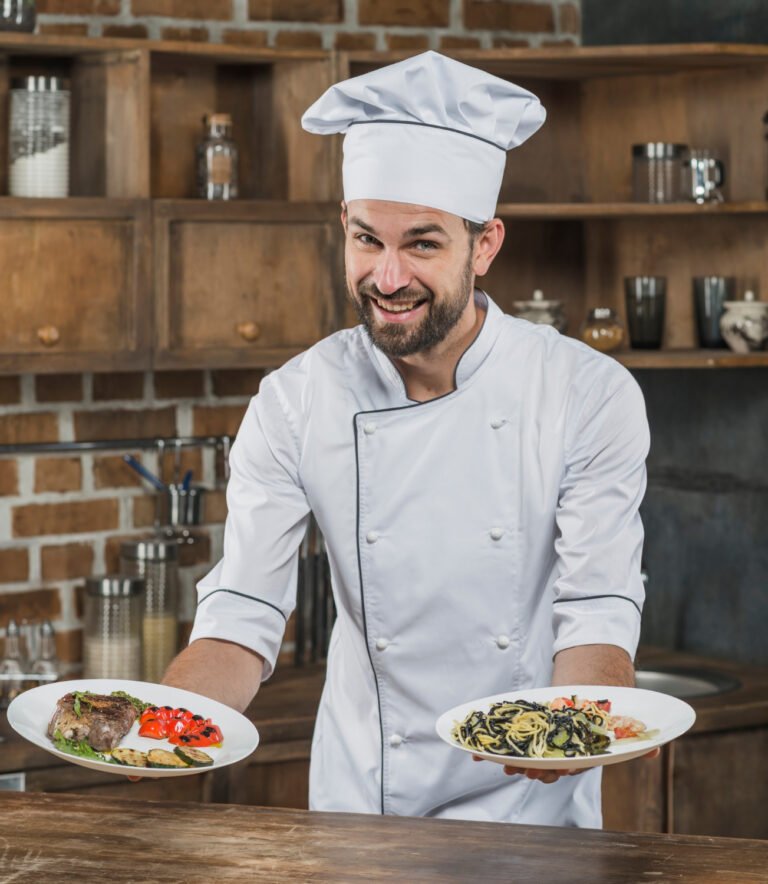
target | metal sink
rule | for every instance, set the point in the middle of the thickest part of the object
(685, 683)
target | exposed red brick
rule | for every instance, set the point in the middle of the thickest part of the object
(407, 41)
(78, 7)
(125, 424)
(189, 459)
(43, 427)
(450, 42)
(111, 471)
(58, 474)
(499, 15)
(125, 385)
(217, 420)
(36, 604)
(66, 561)
(255, 39)
(69, 646)
(320, 11)
(10, 390)
(9, 477)
(14, 565)
(185, 35)
(144, 510)
(405, 13)
(179, 384)
(510, 43)
(236, 382)
(203, 9)
(64, 30)
(349, 41)
(38, 519)
(126, 31)
(59, 387)
(569, 18)
(215, 507)
(299, 39)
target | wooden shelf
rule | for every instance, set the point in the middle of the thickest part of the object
(567, 211)
(691, 359)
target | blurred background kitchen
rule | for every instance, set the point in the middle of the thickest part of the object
(168, 235)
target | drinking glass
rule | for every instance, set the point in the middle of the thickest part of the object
(645, 298)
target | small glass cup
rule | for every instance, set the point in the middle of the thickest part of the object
(709, 296)
(645, 298)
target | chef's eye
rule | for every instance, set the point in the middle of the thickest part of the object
(366, 239)
(426, 245)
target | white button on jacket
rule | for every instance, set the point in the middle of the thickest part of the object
(564, 479)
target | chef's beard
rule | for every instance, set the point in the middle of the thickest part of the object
(398, 339)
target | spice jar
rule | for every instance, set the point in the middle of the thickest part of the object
(39, 138)
(602, 329)
(114, 610)
(217, 159)
(156, 562)
(542, 312)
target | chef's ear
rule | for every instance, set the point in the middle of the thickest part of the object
(487, 245)
(344, 215)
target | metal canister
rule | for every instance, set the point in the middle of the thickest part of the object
(155, 561)
(114, 609)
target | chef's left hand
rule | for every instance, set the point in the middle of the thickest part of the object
(552, 776)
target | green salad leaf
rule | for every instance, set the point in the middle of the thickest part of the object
(80, 697)
(81, 748)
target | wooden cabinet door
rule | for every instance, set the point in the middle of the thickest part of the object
(75, 285)
(247, 284)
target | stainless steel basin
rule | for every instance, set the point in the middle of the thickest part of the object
(685, 683)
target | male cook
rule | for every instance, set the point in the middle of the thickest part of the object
(476, 478)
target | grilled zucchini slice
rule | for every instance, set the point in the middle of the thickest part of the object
(163, 758)
(194, 757)
(131, 757)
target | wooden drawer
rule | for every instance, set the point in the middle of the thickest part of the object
(76, 279)
(245, 284)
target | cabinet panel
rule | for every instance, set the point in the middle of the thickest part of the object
(74, 288)
(243, 291)
(634, 795)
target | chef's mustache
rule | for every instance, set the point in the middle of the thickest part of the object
(370, 289)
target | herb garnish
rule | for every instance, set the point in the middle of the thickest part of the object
(138, 705)
(80, 697)
(80, 748)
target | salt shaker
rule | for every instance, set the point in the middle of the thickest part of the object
(39, 138)
(114, 609)
(46, 663)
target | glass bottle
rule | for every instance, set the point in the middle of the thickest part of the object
(602, 329)
(39, 137)
(46, 664)
(217, 159)
(11, 665)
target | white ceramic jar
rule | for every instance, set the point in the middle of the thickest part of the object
(744, 325)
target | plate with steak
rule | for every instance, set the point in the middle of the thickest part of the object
(132, 727)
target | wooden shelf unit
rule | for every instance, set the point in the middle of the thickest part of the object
(571, 227)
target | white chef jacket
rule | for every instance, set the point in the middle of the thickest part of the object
(470, 539)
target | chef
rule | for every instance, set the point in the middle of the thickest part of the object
(476, 477)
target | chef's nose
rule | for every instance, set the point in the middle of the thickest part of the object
(391, 273)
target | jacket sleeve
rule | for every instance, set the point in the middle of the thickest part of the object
(599, 592)
(249, 595)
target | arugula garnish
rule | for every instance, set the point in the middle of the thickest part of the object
(81, 748)
(80, 697)
(138, 705)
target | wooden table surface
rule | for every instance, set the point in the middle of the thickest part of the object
(71, 838)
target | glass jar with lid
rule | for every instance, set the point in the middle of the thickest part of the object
(114, 611)
(602, 329)
(39, 137)
(542, 311)
(217, 159)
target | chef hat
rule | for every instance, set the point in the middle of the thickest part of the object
(429, 131)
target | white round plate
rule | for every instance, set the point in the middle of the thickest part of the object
(31, 711)
(659, 712)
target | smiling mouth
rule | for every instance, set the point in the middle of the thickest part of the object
(397, 306)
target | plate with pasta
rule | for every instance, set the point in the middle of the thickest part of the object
(568, 727)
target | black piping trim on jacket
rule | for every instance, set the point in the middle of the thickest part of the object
(429, 126)
(357, 524)
(607, 595)
(243, 595)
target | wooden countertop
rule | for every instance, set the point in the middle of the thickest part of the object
(52, 837)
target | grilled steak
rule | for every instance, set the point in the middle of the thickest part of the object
(103, 721)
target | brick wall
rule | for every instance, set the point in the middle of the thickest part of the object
(327, 24)
(63, 516)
